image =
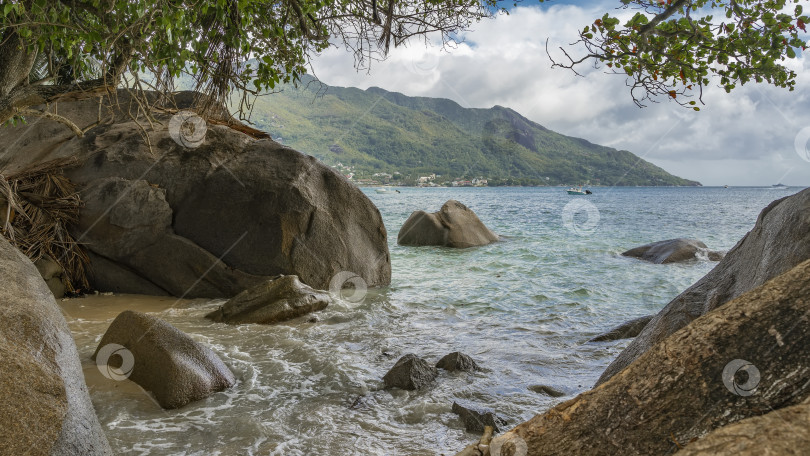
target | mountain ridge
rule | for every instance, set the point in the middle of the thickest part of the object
(377, 131)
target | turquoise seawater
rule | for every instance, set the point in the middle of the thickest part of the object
(523, 308)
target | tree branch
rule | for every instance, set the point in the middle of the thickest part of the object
(674, 8)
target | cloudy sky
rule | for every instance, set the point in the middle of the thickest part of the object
(757, 135)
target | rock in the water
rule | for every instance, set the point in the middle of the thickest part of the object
(204, 222)
(457, 361)
(672, 251)
(476, 420)
(45, 407)
(454, 225)
(693, 382)
(410, 373)
(779, 241)
(625, 330)
(273, 301)
(547, 390)
(167, 362)
(715, 255)
(778, 433)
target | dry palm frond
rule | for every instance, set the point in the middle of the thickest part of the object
(9, 207)
(40, 203)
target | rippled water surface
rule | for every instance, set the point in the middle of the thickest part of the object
(523, 308)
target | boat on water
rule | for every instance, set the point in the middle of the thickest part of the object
(385, 190)
(779, 186)
(578, 191)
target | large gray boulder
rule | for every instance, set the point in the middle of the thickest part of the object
(163, 360)
(273, 301)
(45, 407)
(454, 225)
(779, 241)
(203, 222)
(673, 251)
(743, 359)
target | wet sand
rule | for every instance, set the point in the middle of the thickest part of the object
(104, 307)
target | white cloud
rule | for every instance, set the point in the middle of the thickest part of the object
(743, 138)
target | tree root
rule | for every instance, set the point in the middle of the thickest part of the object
(52, 116)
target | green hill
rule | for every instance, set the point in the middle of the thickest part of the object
(376, 131)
